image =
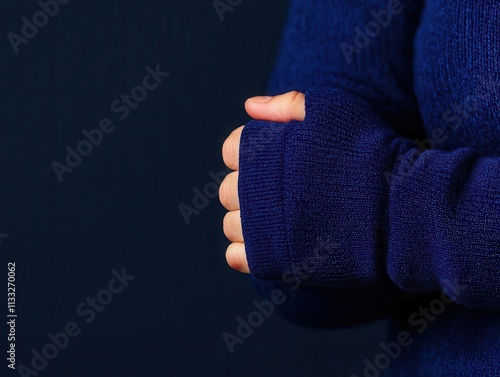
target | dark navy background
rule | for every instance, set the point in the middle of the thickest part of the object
(119, 207)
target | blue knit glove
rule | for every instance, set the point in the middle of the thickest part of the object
(332, 201)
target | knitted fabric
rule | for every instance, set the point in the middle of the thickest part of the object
(350, 199)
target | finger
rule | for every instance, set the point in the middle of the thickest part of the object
(236, 257)
(228, 192)
(232, 226)
(231, 149)
(282, 108)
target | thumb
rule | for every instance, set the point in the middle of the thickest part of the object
(282, 108)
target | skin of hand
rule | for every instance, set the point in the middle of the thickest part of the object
(282, 108)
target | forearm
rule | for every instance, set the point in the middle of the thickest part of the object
(325, 178)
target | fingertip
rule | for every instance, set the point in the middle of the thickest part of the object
(281, 108)
(259, 99)
(253, 109)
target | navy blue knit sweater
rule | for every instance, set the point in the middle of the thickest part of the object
(389, 190)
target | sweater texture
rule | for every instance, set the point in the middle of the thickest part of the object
(388, 193)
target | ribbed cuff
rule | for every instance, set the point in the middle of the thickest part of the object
(313, 193)
(260, 188)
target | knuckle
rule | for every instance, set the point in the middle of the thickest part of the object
(224, 192)
(227, 151)
(227, 226)
(230, 148)
(228, 191)
(296, 98)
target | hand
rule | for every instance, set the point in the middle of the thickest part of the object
(282, 108)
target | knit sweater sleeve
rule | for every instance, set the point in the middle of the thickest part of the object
(342, 200)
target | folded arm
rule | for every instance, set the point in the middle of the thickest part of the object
(345, 201)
